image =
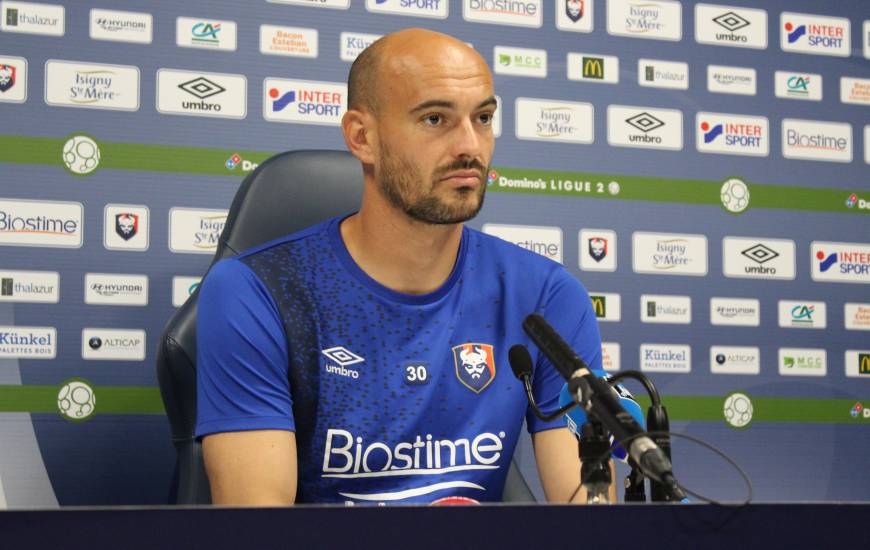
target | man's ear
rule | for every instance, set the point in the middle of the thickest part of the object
(360, 134)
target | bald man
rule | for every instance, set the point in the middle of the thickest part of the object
(364, 360)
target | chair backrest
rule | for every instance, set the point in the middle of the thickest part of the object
(286, 193)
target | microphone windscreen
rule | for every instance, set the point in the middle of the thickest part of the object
(520, 360)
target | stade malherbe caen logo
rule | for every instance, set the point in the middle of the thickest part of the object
(475, 365)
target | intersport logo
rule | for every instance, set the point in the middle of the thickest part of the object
(30, 286)
(816, 140)
(191, 93)
(657, 20)
(303, 101)
(548, 120)
(731, 134)
(815, 34)
(437, 9)
(731, 80)
(644, 127)
(730, 26)
(41, 223)
(840, 262)
(546, 241)
(522, 13)
(751, 258)
(91, 85)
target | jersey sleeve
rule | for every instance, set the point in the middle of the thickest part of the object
(242, 353)
(567, 307)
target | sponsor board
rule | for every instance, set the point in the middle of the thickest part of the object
(735, 360)
(857, 363)
(546, 241)
(13, 79)
(801, 314)
(867, 144)
(335, 4)
(802, 362)
(840, 262)
(193, 93)
(750, 258)
(730, 26)
(304, 101)
(522, 13)
(814, 34)
(353, 43)
(575, 15)
(856, 316)
(288, 41)
(496, 117)
(816, 140)
(657, 20)
(115, 344)
(735, 312)
(865, 39)
(208, 34)
(183, 288)
(116, 289)
(28, 342)
(855, 90)
(658, 308)
(610, 352)
(589, 67)
(39, 287)
(597, 250)
(730, 134)
(548, 120)
(644, 127)
(655, 73)
(606, 305)
(41, 223)
(519, 61)
(31, 18)
(731, 80)
(415, 8)
(669, 253)
(194, 230)
(665, 358)
(126, 227)
(121, 26)
(796, 85)
(91, 85)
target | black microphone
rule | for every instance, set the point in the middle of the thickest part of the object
(599, 399)
(521, 363)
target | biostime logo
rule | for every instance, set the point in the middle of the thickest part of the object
(510, 12)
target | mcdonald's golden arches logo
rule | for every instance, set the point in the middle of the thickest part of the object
(593, 67)
(599, 304)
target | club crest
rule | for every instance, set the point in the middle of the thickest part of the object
(575, 9)
(598, 248)
(475, 365)
(126, 225)
(7, 77)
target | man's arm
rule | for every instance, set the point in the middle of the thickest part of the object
(251, 468)
(559, 466)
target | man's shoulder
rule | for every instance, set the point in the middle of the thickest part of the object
(316, 232)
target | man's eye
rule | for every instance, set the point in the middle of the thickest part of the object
(433, 120)
(486, 118)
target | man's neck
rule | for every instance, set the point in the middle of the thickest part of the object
(400, 253)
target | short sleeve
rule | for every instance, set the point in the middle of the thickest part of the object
(567, 307)
(242, 364)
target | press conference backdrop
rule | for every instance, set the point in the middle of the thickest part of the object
(701, 168)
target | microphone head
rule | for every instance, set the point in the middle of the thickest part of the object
(520, 360)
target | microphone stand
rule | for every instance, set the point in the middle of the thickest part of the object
(594, 469)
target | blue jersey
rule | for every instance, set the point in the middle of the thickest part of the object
(393, 397)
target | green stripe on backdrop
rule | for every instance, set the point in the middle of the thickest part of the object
(206, 161)
(146, 400)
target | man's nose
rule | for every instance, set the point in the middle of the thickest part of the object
(467, 141)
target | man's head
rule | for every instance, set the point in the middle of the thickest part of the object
(420, 108)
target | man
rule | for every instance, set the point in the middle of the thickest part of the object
(365, 359)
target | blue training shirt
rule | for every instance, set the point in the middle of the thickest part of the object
(393, 397)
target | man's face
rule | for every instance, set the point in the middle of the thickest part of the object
(435, 135)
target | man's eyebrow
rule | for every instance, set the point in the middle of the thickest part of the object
(444, 104)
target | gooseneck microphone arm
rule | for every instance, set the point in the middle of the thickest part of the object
(521, 363)
(600, 400)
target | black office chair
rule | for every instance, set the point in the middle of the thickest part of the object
(286, 193)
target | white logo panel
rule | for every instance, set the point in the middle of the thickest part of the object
(202, 94)
(748, 258)
(729, 134)
(116, 289)
(866, 39)
(665, 358)
(415, 8)
(334, 4)
(115, 344)
(289, 41)
(656, 308)
(519, 61)
(91, 85)
(814, 34)
(546, 241)
(856, 316)
(544, 120)
(13, 79)
(594, 68)
(731, 80)
(41, 223)
(795, 85)
(816, 140)
(305, 102)
(610, 356)
(736, 312)
(730, 26)
(802, 362)
(41, 287)
(522, 13)
(867, 144)
(659, 20)
(121, 26)
(126, 227)
(855, 90)
(196, 231)
(840, 262)
(597, 250)
(209, 34)
(669, 253)
(607, 306)
(857, 363)
(28, 342)
(353, 44)
(575, 15)
(735, 360)
(182, 288)
(644, 127)
(30, 18)
(798, 314)
(655, 73)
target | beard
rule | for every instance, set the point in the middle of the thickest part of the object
(403, 186)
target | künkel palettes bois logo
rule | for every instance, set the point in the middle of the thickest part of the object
(31, 18)
(202, 94)
(41, 223)
(353, 44)
(416, 8)
(91, 85)
(305, 102)
(523, 13)
(814, 34)
(730, 26)
(30, 286)
(196, 231)
(665, 358)
(28, 342)
(659, 19)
